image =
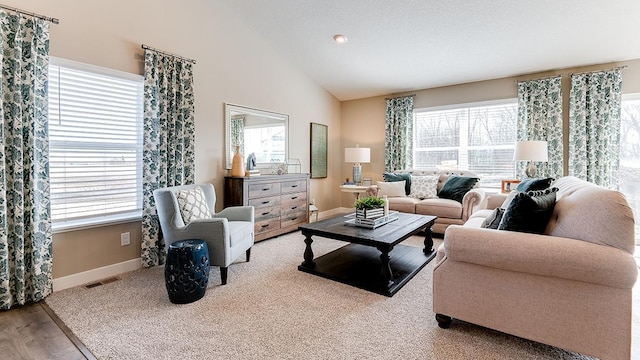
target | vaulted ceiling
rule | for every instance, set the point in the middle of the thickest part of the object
(404, 45)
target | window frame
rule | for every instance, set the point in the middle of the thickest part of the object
(60, 226)
(466, 106)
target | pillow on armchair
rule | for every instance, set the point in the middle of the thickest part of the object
(192, 204)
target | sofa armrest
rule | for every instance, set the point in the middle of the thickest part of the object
(541, 255)
(236, 213)
(471, 202)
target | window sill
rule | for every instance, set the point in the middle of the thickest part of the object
(95, 222)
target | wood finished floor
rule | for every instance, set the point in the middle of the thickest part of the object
(33, 332)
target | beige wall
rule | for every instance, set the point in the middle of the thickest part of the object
(363, 120)
(233, 65)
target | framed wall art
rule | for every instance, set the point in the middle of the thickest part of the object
(508, 185)
(319, 134)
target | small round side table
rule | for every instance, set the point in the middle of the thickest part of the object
(186, 271)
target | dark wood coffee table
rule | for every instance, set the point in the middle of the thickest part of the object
(374, 260)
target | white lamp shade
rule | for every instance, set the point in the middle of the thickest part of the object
(357, 155)
(531, 151)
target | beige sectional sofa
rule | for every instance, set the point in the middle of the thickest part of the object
(448, 211)
(570, 287)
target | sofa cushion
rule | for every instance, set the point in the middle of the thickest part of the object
(403, 204)
(529, 184)
(442, 208)
(456, 187)
(493, 220)
(529, 212)
(392, 177)
(424, 187)
(391, 189)
(192, 204)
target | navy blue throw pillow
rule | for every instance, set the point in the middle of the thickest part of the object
(529, 184)
(392, 177)
(529, 212)
(456, 187)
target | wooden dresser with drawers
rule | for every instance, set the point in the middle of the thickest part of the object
(280, 201)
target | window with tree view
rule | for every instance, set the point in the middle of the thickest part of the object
(479, 138)
(629, 172)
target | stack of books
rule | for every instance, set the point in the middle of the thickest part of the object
(252, 172)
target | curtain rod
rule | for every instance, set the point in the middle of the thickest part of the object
(53, 20)
(583, 72)
(592, 71)
(544, 78)
(398, 97)
(147, 47)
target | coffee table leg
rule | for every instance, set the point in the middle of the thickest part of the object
(428, 241)
(385, 269)
(308, 253)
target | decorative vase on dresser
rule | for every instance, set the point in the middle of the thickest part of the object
(237, 166)
(280, 201)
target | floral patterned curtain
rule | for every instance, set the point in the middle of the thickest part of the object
(168, 140)
(540, 118)
(237, 134)
(398, 142)
(594, 126)
(25, 211)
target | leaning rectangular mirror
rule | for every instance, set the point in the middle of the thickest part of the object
(263, 133)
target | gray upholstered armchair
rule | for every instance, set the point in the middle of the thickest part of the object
(188, 212)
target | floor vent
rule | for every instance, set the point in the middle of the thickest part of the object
(102, 282)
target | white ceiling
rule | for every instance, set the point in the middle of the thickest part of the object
(405, 45)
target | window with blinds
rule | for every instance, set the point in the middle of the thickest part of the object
(95, 145)
(480, 138)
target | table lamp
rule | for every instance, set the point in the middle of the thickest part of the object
(531, 151)
(357, 155)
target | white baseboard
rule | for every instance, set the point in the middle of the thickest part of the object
(93, 275)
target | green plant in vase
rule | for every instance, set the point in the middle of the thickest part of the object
(369, 202)
(370, 207)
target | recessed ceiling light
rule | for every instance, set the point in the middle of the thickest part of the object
(340, 39)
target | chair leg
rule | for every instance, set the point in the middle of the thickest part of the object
(223, 274)
(248, 254)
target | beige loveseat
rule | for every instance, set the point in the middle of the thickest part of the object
(570, 288)
(448, 211)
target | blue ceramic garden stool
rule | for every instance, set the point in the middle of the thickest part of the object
(186, 272)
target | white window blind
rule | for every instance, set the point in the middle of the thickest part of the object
(95, 145)
(479, 138)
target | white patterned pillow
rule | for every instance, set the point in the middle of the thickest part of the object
(391, 189)
(192, 204)
(424, 187)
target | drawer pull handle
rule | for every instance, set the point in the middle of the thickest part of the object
(266, 213)
(265, 226)
(266, 202)
(294, 197)
(294, 207)
(294, 218)
(296, 185)
(265, 189)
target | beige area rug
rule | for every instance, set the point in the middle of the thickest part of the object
(270, 310)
